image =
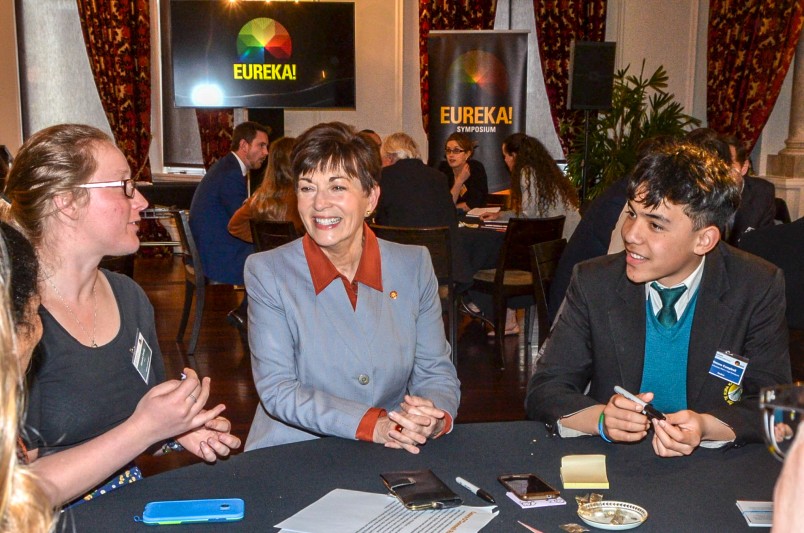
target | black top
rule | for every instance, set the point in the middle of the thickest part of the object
(477, 186)
(78, 392)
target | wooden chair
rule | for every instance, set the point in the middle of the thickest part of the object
(195, 282)
(270, 234)
(437, 242)
(544, 260)
(512, 277)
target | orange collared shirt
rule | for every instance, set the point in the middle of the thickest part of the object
(323, 272)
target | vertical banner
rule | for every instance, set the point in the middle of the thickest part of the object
(477, 87)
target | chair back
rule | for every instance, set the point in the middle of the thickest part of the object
(437, 242)
(522, 233)
(270, 234)
(192, 260)
(435, 239)
(782, 214)
(544, 258)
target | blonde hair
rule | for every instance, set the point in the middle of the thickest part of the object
(23, 504)
(268, 201)
(400, 146)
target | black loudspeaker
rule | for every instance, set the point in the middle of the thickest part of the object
(591, 75)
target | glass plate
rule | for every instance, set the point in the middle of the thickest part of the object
(600, 514)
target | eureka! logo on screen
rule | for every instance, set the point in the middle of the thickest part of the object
(258, 38)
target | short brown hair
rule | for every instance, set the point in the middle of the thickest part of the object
(466, 144)
(334, 146)
(246, 131)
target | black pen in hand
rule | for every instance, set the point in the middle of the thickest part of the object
(477, 490)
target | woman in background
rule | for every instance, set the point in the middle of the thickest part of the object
(468, 182)
(24, 505)
(275, 198)
(538, 187)
(73, 197)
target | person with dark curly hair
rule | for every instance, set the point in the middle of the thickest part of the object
(538, 187)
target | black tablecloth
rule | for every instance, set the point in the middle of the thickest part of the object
(696, 493)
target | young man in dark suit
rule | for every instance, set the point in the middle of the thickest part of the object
(676, 318)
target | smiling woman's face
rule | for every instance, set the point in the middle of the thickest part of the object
(332, 206)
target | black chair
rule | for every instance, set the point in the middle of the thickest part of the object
(512, 277)
(270, 234)
(194, 279)
(782, 213)
(437, 242)
(544, 260)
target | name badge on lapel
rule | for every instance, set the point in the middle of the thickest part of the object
(729, 366)
(142, 357)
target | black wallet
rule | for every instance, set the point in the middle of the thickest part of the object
(419, 490)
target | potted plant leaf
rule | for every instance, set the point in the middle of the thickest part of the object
(641, 108)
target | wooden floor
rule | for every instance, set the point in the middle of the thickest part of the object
(488, 393)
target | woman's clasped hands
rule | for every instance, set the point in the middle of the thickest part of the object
(175, 409)
(418, 420)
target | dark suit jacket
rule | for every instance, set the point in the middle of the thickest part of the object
(590, 239)
(757, 208)
(782, 245)
(413, 195)
(599, 339)
(477, 186)
(221, 192)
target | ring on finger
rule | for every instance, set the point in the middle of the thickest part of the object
(399, 428)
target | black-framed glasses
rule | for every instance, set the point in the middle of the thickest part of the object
(129, 186)
(782, 409)
(454, 150)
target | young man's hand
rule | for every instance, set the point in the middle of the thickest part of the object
(624, 420)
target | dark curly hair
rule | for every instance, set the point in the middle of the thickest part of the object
(533, 161)
(688, 175)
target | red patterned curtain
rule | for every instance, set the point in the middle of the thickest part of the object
(117, 35)
(558, 22)
(448, 15)
(216, 127)
(751, 45)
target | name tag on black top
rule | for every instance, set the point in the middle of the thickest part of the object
(142, 357)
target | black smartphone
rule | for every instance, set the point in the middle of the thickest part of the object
(528, 486)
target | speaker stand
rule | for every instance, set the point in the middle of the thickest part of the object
(584, 168)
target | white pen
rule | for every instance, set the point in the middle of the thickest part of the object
(475, 489)
(647, 409)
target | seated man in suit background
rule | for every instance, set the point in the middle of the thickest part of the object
(757, 207)
(656, 318)
(221, 192)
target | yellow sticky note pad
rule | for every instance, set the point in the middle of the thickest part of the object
(584, 472)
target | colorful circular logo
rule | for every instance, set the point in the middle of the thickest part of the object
(481, 69)
(262, 35)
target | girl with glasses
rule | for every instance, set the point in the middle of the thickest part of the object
(467, 178)
(98, 378)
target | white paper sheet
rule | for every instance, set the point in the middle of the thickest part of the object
(349, 511)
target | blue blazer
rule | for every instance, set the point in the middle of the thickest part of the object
(221, 192)
(319, 365)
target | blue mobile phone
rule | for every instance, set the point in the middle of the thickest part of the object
(193, 511)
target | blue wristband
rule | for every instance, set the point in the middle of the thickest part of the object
(600, 429)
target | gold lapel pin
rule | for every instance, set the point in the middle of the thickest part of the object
(393, 295)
